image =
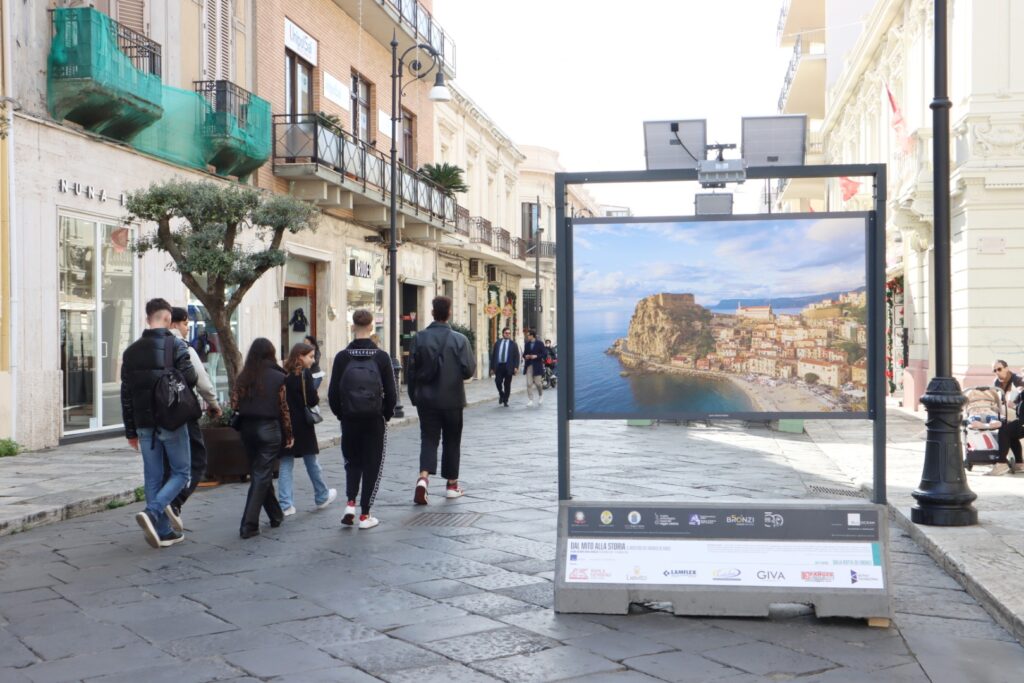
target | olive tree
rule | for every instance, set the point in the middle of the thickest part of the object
(203, 226)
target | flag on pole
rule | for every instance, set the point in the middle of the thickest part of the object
(899, 124)
(849, 187)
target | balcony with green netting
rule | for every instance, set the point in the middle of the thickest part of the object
(235, 126)
(102, 75)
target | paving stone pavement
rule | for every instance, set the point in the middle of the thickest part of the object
(86, 599)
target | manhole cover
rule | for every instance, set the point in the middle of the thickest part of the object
(832, 491)
(444, 519)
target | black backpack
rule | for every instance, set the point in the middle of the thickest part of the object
(174, 402)
(361, 387)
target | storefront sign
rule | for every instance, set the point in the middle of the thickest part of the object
(300, 42)
(336, 91)
(360, 268)
(65, 186)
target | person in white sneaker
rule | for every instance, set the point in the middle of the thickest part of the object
(1011, 431)
(441, 360)
(534, 354)
(362, 394)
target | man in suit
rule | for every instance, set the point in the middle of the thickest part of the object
(504, 365)
(534, 354)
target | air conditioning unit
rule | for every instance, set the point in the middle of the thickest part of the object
(492, 273)
(476, 269)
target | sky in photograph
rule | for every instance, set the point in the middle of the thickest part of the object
(581, 77)
(616, 265)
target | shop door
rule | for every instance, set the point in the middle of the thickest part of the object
(410, 319)
(298, 311)
(96, 274)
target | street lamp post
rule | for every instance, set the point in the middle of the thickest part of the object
(943, 496)
(438, 93)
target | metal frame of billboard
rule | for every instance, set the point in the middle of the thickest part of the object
(875, 288)
(568, 379)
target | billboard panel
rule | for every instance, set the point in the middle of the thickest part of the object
(756, 317)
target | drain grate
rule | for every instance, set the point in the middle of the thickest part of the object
(832, 491)
(444, 519)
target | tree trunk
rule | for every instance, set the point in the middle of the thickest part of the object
(230, 354)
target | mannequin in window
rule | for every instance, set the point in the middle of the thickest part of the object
(298, 322)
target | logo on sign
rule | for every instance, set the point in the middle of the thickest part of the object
(861, 577)
(680, 572)
(853, 519)
(633, 517)
(817, 577)
(606, 517)
(579, 518)
(636, 575)
(740, 520)
(726, 575)
(699, 520)
(773, 520)
(572, 558)
(665, 520)
(769, 575)
(360, 268)
(578, 574)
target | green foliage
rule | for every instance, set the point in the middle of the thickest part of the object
(208, 421)
(140, 494)
(811, 378)
(858, 313)
(854, 351)
(116, 503)
(332, 119)
(9, 447)
(448, 176)
(470, 334)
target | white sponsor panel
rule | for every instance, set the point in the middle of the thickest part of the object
(793, 564)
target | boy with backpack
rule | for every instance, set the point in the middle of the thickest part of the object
(362, 394)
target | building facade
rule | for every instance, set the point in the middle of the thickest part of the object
(863, 72)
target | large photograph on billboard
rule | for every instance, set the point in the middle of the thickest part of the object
(739, 316)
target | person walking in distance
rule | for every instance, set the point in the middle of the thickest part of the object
(534, 354)
(504, 364)
(143, 365)
(363, 395)
(302, 401)
(197, 447)
(260, 399)
(441, 361)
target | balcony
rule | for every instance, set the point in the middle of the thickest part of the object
(480, 231)
(235, 125)
(804, 18)
(547, 249)
(488, 243)
(102, 75)
(462, 221)
(335, 169)
(798, 193)
(415, 25)
(518, 248)
(803, 88)
(502, 241)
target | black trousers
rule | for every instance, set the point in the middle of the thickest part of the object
(1010, 435)
(363, 446)
(503, 380)
(437, 424)
(262, 440)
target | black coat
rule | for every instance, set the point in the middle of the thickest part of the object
(142, 364)
(513, 354)
(303, 432)
(535, 348)
(457, 364)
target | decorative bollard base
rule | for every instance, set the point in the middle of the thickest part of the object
(399, 410)
(943, 496)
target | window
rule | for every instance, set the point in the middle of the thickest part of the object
(298, 85)
(408, 141)
(217, 44)
(132, 14)
(361, 91)
(530, 316)
(529, 221)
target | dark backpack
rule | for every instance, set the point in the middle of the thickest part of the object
(174, 402)
(426, 365)
(361, 387)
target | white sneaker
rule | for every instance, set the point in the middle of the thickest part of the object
(368, 521)
(456, 492)
(175, 519)
(331, 495)
(540, 399)
(350, 513)
(999, 469)
(288, 511)
(529, 404)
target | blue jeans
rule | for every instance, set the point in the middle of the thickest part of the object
(285, 479)
(159, 446)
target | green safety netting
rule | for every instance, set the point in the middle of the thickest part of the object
(92, 82)
(177, 136)
(240, 146)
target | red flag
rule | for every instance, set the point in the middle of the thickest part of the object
(899, 124)
(849, 187)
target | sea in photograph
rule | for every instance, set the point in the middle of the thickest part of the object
(600, 388)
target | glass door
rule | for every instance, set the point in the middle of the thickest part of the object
(96, 275)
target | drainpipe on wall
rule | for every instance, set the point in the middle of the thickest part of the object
(13, 307)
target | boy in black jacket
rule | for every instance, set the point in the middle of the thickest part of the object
(364, 401)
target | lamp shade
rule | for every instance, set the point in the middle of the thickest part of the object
(440, 91)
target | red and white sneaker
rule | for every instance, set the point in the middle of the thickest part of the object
(368, 522)
(420, 495)
(454, 491)
(350, 513)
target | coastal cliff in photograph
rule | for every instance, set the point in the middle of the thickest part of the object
(713, 337)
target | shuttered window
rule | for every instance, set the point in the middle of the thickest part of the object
(217, 44)
(132, 13)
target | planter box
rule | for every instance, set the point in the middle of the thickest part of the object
(225, 455)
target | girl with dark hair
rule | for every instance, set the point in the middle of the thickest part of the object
(259, 398)
(302, 395)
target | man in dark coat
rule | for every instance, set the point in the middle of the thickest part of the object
(504, 364)
(442, 360)
(534, 354)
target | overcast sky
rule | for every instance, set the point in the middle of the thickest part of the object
(581, 76)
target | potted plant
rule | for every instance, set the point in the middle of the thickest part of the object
(221, 238)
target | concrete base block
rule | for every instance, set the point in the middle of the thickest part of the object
(790, 426)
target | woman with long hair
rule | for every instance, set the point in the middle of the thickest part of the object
(259, 398)
(301, 393)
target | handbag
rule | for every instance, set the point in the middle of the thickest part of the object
(313, 417)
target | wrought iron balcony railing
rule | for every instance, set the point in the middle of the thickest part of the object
(502, 240)
(480, 230)
(462, 220)
(310, 138)
(546, 249)
(236, 124)
(143, 53)
(418, 19)
(794, 62)
(518, 248)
